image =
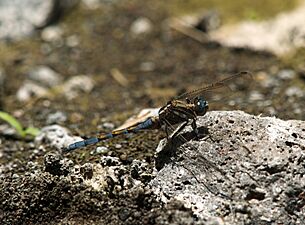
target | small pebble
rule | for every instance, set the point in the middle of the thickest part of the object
(294, 91)
(123, 157)
(72, 41)
(87, 170)
(102, 150)
(118, 146)
(51, 33)
(45, 76)
(147, 66)
(108, 125)
(56, 118)
(286, 74)
(77, 85)
(56, 136)
(15, 176)
(110, 161)
(29, 90)
(141, 25)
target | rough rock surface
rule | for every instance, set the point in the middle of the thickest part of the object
(246, 170)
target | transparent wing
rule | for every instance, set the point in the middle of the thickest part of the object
(225, 87)
(139, 118)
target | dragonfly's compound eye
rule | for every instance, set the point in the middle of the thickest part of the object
(201, 106)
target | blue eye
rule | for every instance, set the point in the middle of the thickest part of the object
(201, 106)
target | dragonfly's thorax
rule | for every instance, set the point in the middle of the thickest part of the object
(177, 111)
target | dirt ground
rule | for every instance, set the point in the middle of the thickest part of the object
(30, 194)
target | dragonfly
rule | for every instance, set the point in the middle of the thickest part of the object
(183, 109)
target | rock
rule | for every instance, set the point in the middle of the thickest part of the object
(72, 41)
(76, 85)
(138, 168)
(94, 4)
(30, 89)
(108, 125)
(141, 25)
(279, 35)
(286, 74)
(100, 150)
(208, 21)
(55, 164)
(56, 118)
(87, 170)
(19, 19)
(91, 4)
(56, 136)
(45, 76)
(8, 130)
(51, 34)
(147, 66)
(110, 161)
(240, 171)
(295, 91)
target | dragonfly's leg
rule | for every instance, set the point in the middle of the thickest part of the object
(166, 130)
(178, 130)
(166, 125)
(195, 129)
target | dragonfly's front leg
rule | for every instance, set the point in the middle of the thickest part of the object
(168, 127)
(178, 130)
(195, 129)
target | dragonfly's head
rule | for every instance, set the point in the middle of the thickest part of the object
(201, 106)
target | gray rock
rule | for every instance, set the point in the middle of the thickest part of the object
(110, 161)
(7, 130)
(94, 4)
(295, 91)
(55, 164)
(56, 136)
(51, 34)
(72, 41)
(244, 168)
(30, 89)
(108, 125)
(45, 76)
(281, 34)
(286, 74)
(19, 19)
(141, 25)
(76, 85)
(101, 150)
(87, 170)
(56, 118)
(209, 21)
(147, 66)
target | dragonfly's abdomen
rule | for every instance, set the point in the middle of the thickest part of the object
(147, 124)
(81, 144)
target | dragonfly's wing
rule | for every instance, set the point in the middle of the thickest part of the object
(139, 118)
(226, 87)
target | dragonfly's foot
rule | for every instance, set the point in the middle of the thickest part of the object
(206, 137)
